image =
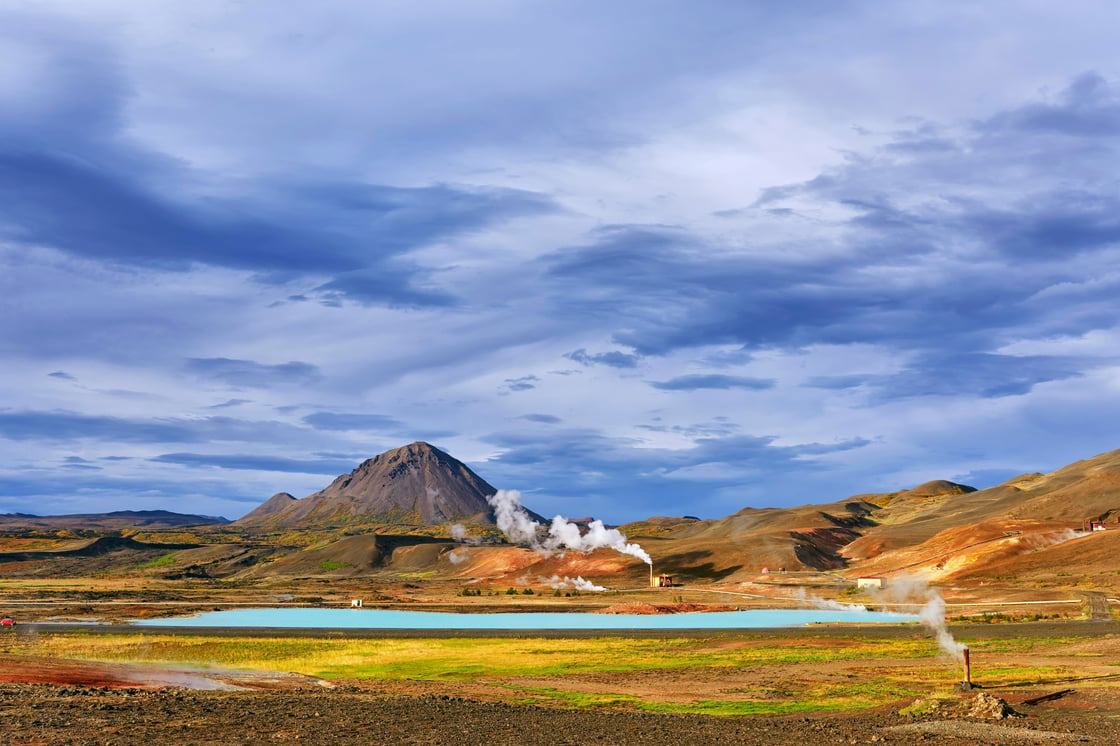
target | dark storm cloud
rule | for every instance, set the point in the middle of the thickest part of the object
(612, 359)
(697, 381)
(258, 463)
(251, 373)
(350, 421)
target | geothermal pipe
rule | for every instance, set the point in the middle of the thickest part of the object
(967, 667)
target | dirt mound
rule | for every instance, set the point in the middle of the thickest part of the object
(989, 707)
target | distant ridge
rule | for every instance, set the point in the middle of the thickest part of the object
(416, 484)
(114, 519)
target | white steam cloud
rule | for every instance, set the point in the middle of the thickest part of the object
(825, 603)
(459, 533)
(911, 589)
(514, 521)
(457, 555)
(576, 584)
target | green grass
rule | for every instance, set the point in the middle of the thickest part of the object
(161, 561)
(554, 672)
(331, 565)
(451, 659)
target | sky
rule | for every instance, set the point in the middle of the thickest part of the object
(631, 258)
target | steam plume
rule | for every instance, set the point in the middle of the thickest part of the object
(824, 603)
(459, 533)
(911, 589)
(515, 523)
(565, 583)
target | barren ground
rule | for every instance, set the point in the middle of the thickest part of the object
(53, 701)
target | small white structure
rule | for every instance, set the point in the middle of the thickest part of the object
(355, 603)
(871, 582)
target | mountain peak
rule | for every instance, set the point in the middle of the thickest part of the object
(416, 484)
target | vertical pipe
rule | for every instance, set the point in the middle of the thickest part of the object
(651, 585)
(967, 667)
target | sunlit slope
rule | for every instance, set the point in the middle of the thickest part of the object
(414, 484)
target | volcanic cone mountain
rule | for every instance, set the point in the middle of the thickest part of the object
(417, 484)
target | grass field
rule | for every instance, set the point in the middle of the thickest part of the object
(740, 676)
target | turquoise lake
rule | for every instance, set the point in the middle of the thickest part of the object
(435, 620)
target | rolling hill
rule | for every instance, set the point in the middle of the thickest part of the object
(389, 518)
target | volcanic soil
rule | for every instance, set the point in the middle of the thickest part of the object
(52, 701)
(42, 714)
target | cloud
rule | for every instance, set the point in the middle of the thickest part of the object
(697, 381)
(613, 359)
(973, 374)
(544, 419)
(113, 215)
(586, 467)
(524, 383)
(258, 463)
(961, 374)
(65, 426)
(837, 383)
(616, 187)
(251, 373)
(344, 421)
(1087, 107)
(228, 403)
(926, 248)
(131, 205)
(77, 462)
(63, 375)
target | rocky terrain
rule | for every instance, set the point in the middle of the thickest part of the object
(42, 714)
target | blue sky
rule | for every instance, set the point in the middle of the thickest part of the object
(631, 258)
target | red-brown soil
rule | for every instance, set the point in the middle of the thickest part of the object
(38, 714)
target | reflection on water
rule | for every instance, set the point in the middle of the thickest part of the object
(391, 619)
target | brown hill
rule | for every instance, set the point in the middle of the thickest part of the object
(417, 484)
(1088, 489)
(740, 546)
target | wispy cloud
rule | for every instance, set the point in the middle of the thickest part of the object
(697, 381)
(330, 467)
(251, 373)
